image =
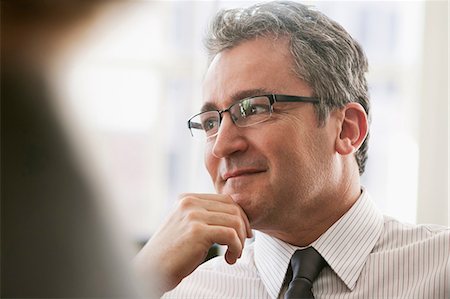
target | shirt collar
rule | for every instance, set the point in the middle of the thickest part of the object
(345, 246)
(272, 257)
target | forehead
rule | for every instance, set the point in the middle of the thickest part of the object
(261, 65)
(239, 95)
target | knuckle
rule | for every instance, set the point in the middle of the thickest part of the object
(236, 223)
(186, 202)
(226, 197)
(230, 233)
(181, 195)
(235, 210)
(195, 228)
(192, 215)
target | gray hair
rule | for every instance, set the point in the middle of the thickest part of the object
(325, 55)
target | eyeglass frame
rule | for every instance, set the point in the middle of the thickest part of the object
(273, 98)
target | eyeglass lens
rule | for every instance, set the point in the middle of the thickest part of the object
(244, 113)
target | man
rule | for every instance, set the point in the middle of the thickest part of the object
(285, 122)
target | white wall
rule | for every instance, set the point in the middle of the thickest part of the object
(433, 200)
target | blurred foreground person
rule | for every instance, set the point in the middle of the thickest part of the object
(285, 124)
(55, 238)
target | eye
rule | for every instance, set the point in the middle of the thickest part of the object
(249, 108)
(210, 123)
(256, 109)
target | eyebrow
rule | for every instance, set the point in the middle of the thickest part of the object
(237, 96)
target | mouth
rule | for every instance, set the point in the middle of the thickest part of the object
(241, 173)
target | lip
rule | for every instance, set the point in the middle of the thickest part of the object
(241, 172)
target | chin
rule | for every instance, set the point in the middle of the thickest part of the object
(239, 198)
(242, 199)
(247, 203)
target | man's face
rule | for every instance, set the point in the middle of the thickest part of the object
(278, 170)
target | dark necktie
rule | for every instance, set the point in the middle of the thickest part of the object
(306, 265)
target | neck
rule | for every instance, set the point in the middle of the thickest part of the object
(319, 217)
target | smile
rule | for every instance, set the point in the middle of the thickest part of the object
(241, 173)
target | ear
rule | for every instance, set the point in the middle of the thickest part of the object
(353, 129)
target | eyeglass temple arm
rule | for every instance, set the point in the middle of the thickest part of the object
(192, 125)
(285, 98)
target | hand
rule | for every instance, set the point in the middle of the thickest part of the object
(183, 241)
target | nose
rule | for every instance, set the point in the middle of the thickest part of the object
(229, 139)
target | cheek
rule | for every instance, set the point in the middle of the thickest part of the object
(284, 152)
(318, 155)
(208, 157)
(304, 153)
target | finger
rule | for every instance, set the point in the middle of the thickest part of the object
(222, 219)
(229, 237)
(248, 228)
(225, 198)
(218, 219)
(230, 258)
(217, 203)
(211, 202)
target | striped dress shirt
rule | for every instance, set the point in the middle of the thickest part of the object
(369, 256)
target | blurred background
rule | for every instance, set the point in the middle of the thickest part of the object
(125, 88)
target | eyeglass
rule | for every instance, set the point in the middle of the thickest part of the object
(247, 112)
